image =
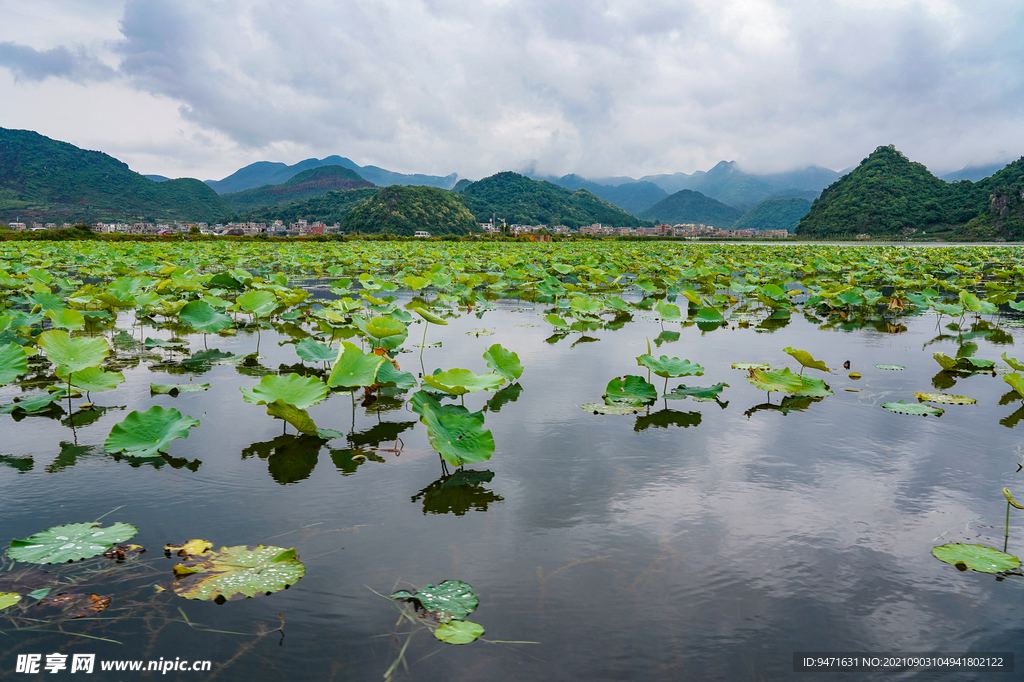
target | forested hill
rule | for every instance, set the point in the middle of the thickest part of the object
(328, 208)
(46, 180)
(518, 199)
(687, 206)
(309, 183)
(887, 193)
(404, 210)
(774, 214)
(1002, 214)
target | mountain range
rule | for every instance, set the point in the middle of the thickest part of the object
(272, 173)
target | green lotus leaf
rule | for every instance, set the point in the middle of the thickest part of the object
(913, 408)
(298, 418)
(13, 362)
(750, 365)
(891, 368)
(974, 364)
(668, 312)
(429, 316)
(1013, 362)
(776, 380)
(944, 360)
(587, 306)
(73, 354)
(32, 404)
(805, 359)
(161, 343)
(975, 304)
(294, 389)
(147, 434)
(504, 362)
(975, 557)
(175, 389)
(556, 321)
(387, 375)
(69, 543)
(257, 301)
(383, 327)
(66, 318)
(561, 268)
(696, 392)
(813, 388)
(311, 350)
(646, 285)
(603, 408)
(459, 632)
(450, 600)
(204, 318)
(1016, 381)
(630, 390)
(459, 439)
(670, 367)
(353, 367)
(92, 379)
(421, 400)
(458, 381)
(945, 398)
(413, 282)
(236, 572)
(708, 315)
(8, 599)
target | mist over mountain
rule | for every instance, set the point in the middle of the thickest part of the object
(687, 206)
(305, 185)
(273, 173)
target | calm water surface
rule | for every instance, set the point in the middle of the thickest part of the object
(693, 541)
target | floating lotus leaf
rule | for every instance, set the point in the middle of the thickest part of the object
(450, 600)
(602, 408)
(750, 365)
(31, 404)
(147, 434)
(630, 390)
(776, 380)
(805, 359)
(458, 381)
(891, 368)
(813, 388)
(66, 318)
(708, 315)
(294, 389)
(196, 546)
(75, 604)
(258, 302)
(353, 367)
(236, 572)
(92, 379)
(73, 354)
(504, 362)
(670, 367)
(204, 317)
(913, 408)
(945, 399)
(429, 316)
(69, 542)
(459, 439)
(175, 389)
(8, 599)
(1013, 362)
(1016, 381)
(696, 392)
(13, 362)
(975, 557)
(459, 632)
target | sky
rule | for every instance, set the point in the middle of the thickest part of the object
(190, 88)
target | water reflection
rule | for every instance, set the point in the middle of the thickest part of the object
(458, 493)
(662, 419)
(507, 395)
(21, 464)
(290, 459)
(786, 405)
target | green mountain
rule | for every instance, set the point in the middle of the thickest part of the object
(271, 173)
(632, 197)
(886, 195)
(309, 183)
(404, 210)
(328, 208)
(774, 214)
(1003, 215)
(687, 206)
(730, 185)
(46, 180)
(518, 199)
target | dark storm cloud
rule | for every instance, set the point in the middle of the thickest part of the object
(35, 65)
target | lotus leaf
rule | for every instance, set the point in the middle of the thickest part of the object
(236, 572)
(160, 343)
(258, 302)
(32, 403)
(147, 434)
(668, 312)
(975, 557)
(601, 408)
(891, 368)
(175, 389)
(583, 305)
(387, 375)
(92, 379)
(1016, 381)
(556, 321)
(413, 282)
(421, 400)
(945, 399)
(76, 604)
(353, 367)
(69, 542)
(750, 365)
(813, 388)
(459, 439)
(298, 418)
(913, 408)
(776, 380)
(311, 350)
(1009, 498)
(944, 360)
(8, 599)
(73, 354)
(294, 389)
(805, 359)
(504, 362)
(429, 316)
(66, 318)
(1012, 362)
(670, 367)
(459, 632)
(196, 546)
(383, 327)
(630, 390)
(974, 364)
(450, 600)
(13, 362)
(204, 317)
(696, 392)
(975, 304)
(459, 381)
(709, 315)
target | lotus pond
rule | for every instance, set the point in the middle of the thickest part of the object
(376, 460)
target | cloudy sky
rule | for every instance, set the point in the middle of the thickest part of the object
(608, 87)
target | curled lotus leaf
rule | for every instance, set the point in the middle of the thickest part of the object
(69, 542)
(459, 632)
(236, 572)
(8, 599)
(975, 557)
(92, 379)
(1013, 362)
(630, 391)
(806, 359)
(891, 368)
(294, 389)
(751, 365)
(353, 367)
(670, 367)
(383, 327)
(458, 381)
(602, 408)
(1016, 382)
(1009, 498)
(298, 418)
(913, 408)
(944, 360)
(504, 362)
(776, 380)
(696, 392)
(429, 316)
(147, 434)
(813, 388)
(13, 362)
(174, 389)
(204, 318)
(450, 600)
(73, 354)
(196, 546)
(945, 398)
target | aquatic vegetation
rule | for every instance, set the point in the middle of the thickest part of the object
(233, 572)
(70, 542)
(148, 433)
